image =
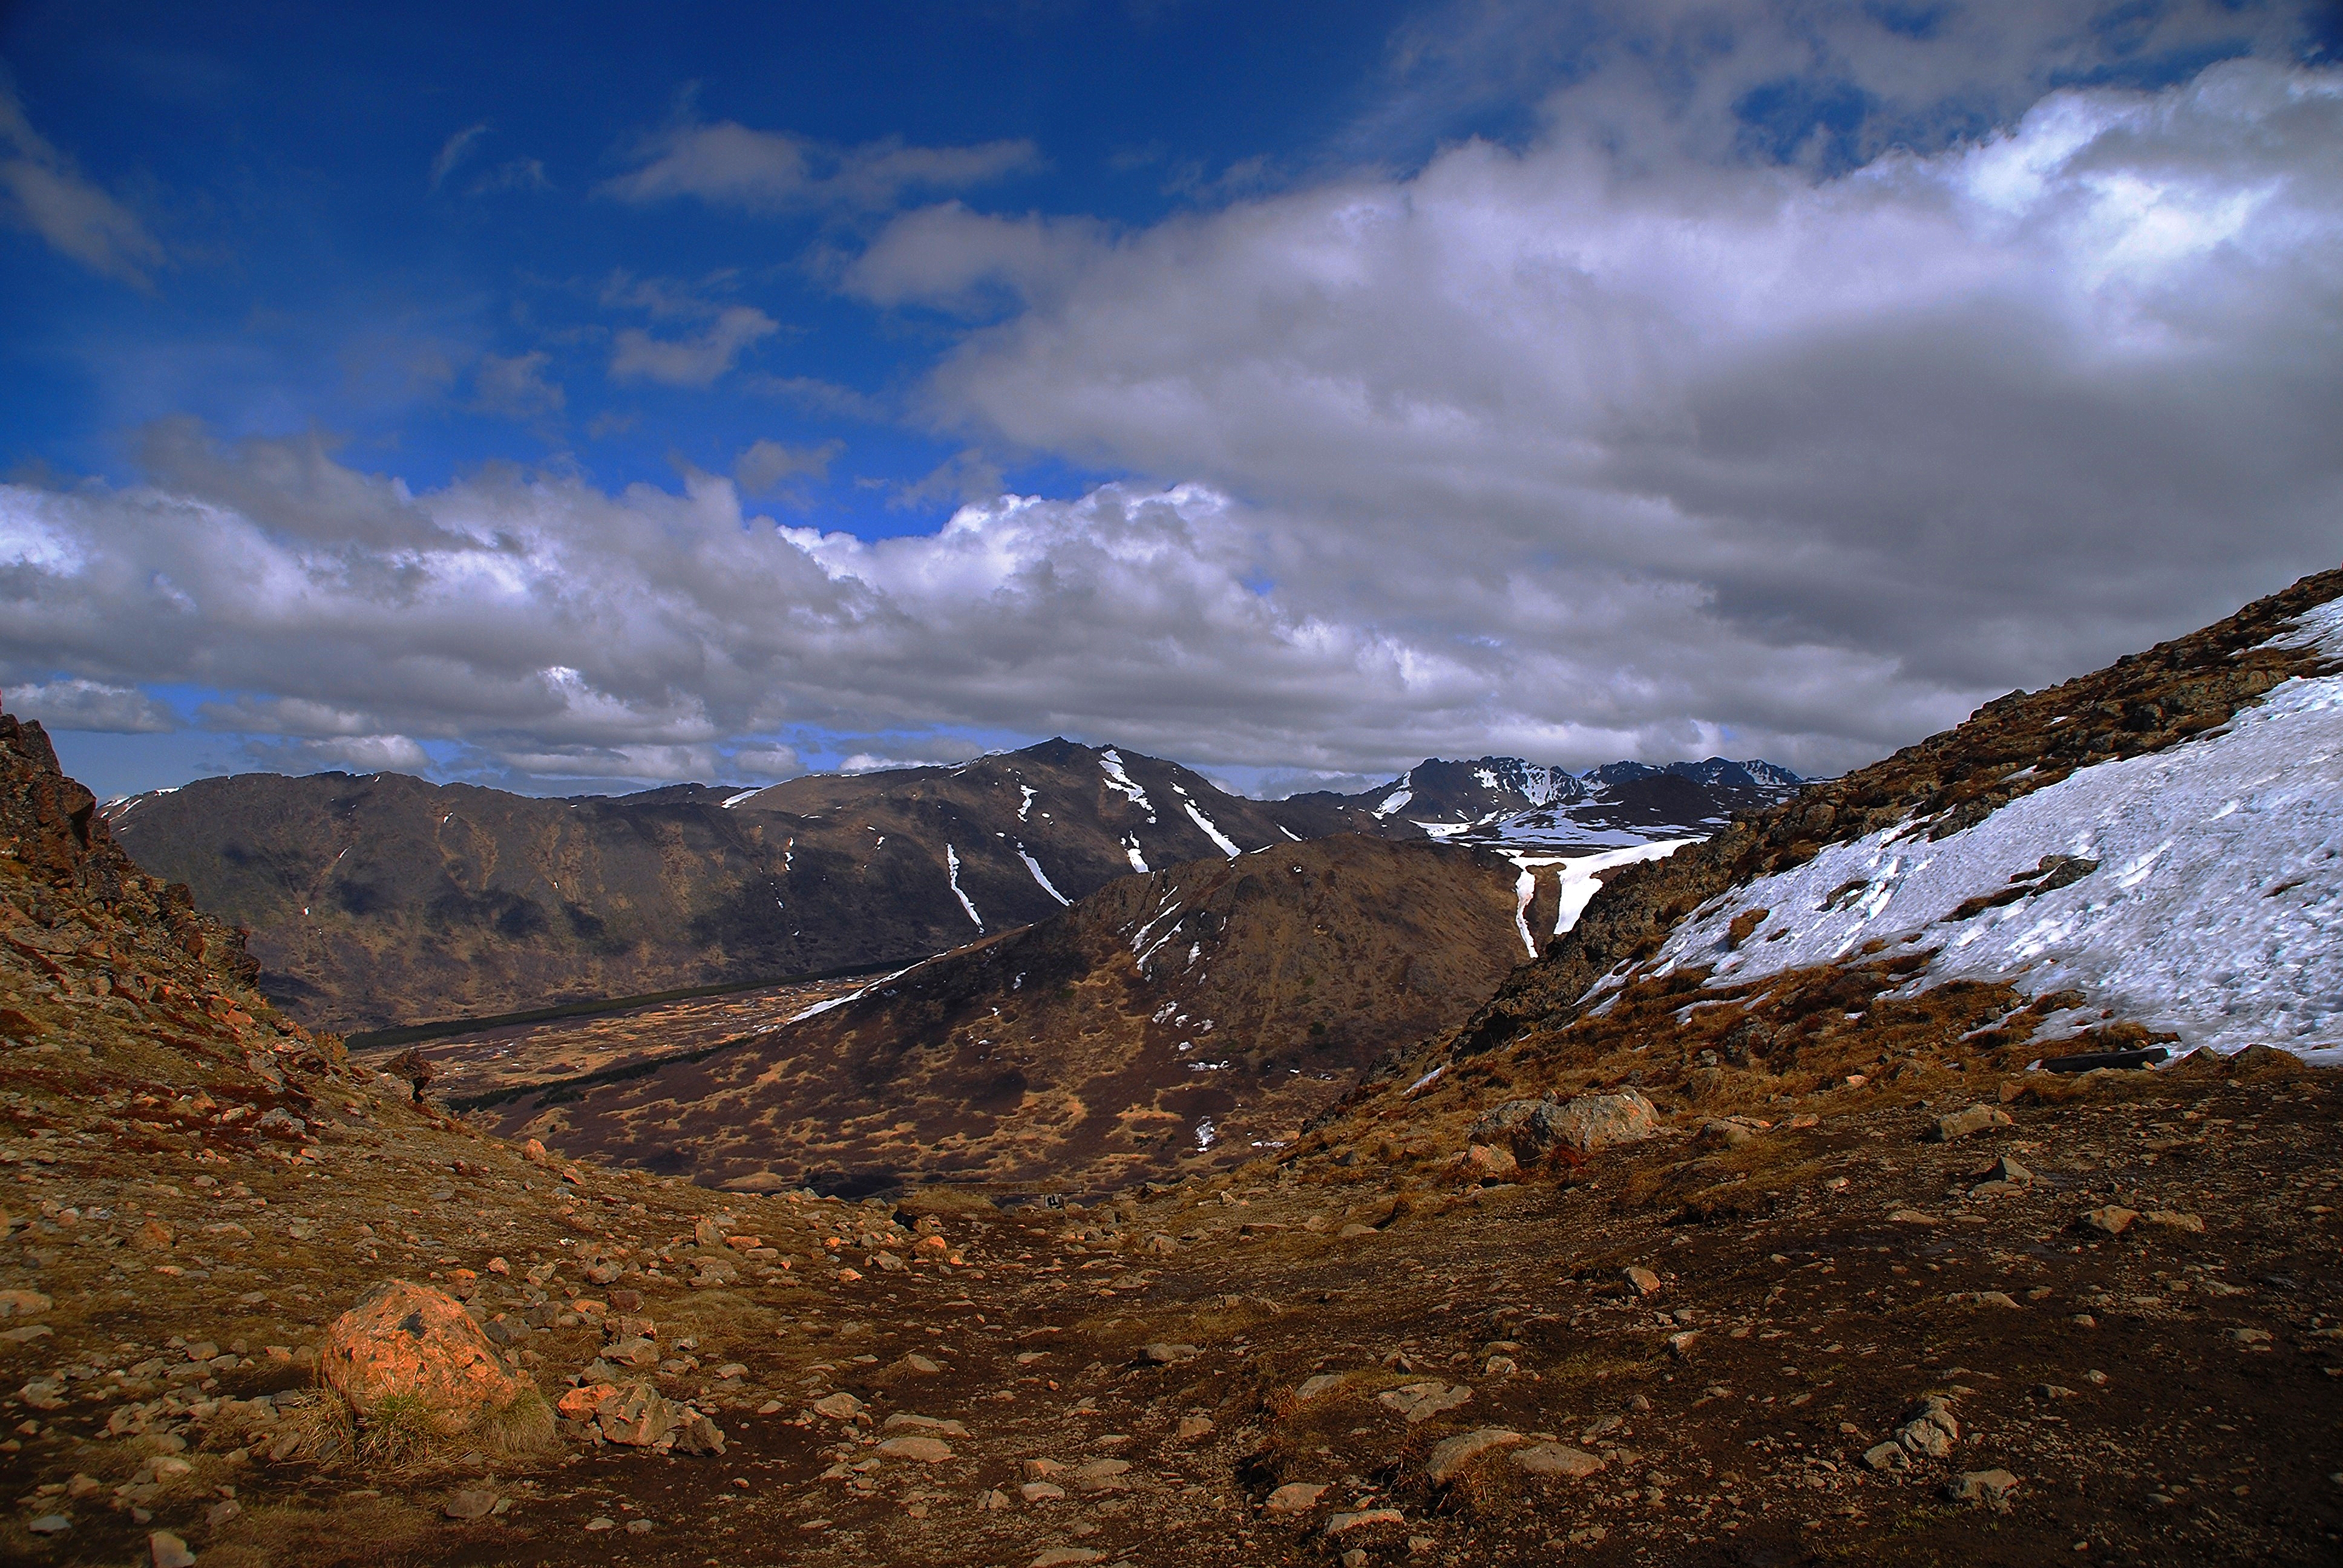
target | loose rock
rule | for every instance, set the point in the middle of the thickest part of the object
(1555, 1459)
(1452, 1456)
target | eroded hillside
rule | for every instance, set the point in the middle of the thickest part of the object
(1177, 1021)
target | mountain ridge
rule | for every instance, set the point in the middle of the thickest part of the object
(380, 900)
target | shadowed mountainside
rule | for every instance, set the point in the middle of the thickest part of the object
(1174, 1021)
(383, 899)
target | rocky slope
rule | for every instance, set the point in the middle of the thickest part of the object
(1942, 844)
(383, 899)
(1856, 1286)
(1177, 1021)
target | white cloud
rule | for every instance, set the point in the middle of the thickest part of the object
(1986, 417)
(47, 194)
(730, 165)
(452, 152)
(694, 361)
(763, 762)
(352, 753)
(1576, 450)
(91, 705)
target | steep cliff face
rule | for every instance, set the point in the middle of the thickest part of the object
(65, 883)
(110, 975)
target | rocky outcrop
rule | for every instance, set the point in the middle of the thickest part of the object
(65, 860)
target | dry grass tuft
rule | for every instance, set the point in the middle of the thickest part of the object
(402, 1438)
(354, 1533)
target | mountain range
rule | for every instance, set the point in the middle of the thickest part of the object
(382, 900)
(1825, 1191)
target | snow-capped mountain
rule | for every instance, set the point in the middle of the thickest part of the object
(1506, 801)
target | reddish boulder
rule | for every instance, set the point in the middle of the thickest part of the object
(408, 1342)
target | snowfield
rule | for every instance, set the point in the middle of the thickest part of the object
(2214, 909)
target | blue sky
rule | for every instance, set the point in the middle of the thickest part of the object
(363, 210)
(587, 398)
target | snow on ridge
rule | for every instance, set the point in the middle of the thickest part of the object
(2319, 629)
(823, 1007)
(1034, 866)
(1131, 849)
(2211, 912)
(952, 865)
(732, 801)
(1026, 804)
(1393, 801)
(1227, 845)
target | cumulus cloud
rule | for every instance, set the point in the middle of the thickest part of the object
(47, 194)
(1992, 414)
(90, 705)
(1827, 84)
(346, 754)
(1608, 443)
(568, 633)
(767, 172)
(692, 361)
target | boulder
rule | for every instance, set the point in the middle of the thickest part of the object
(926, 1450)
(1488, 1162)
(1451, 1457)
(1597, 1122)
(1294, 1497)
(1422, 1401)
(1530, 1128)
(1554, 1460)
(1990, 1487)
(412, 1345)
(1965, 1123)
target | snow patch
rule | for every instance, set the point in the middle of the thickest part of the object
(1034, 866)
(1110, 763)
(1227, 846)
(2211, 914)
(952, 865)
(1027, 803)
(1581, 877)
(1524, 890)
(732, 801)
(1131, 849)
(1393, 801)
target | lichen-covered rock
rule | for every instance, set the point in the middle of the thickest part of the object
(1598, 1121)
(407, 1342)
(1530, 1128)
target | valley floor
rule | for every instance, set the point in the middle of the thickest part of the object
(1224, 1370)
